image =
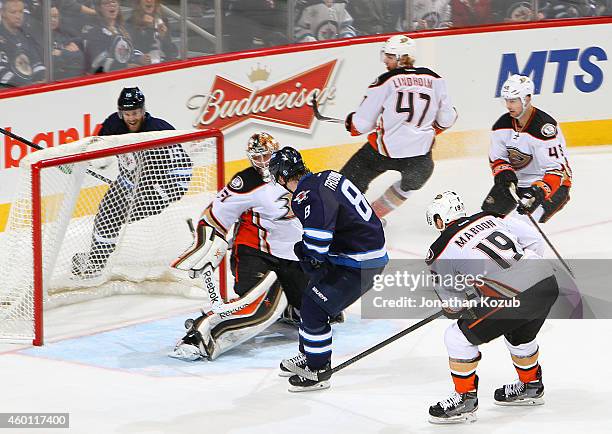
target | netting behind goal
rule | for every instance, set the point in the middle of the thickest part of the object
(103, 216)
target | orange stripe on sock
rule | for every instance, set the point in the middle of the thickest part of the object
(527, 375)
(464, 384)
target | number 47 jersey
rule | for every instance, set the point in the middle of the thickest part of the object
(406, 106)
(498, 252)
(338, 221)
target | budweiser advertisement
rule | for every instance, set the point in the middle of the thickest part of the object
(286, 103)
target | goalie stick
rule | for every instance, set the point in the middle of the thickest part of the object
(38, 147)
(537, 226)
(318, 115)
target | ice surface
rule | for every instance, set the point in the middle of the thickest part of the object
(104, 361)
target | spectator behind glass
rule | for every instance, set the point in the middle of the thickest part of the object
(20, 55)
(108, 45)
(370, 17)
(320, 20)
(514, 11)
(75, 15)
(149, 32)
(68, 59)
(427, 14)
(555, 9)
(471, 12)
(251, 23)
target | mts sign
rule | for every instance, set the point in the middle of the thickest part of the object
(540, 63)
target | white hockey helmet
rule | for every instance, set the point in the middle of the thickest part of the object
(448, 206)
(259, 150)
(400, 45)
(518, 86)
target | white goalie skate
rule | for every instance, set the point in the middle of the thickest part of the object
(194, 346)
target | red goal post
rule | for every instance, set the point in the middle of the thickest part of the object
(60, 228)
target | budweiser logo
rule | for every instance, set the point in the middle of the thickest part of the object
(286, 102)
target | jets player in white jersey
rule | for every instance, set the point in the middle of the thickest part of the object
(407, 107)
(265, 233)
(527, 152)
(515, 291)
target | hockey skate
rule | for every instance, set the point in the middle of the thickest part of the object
(457, 408)
(519, 393)
(312, 380)
(299, 361)
(84, 268)
(290, 316)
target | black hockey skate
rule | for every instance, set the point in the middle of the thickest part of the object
(457, 408)
(85, 268)
(312, 380)
(299, 361)
(290, 316)
(519, 393)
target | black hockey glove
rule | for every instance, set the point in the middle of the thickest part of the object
(348, 122)
(506, 178)
(531, 199)
(314, 264)
(466, 313)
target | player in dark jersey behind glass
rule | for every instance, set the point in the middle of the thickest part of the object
(147, 183)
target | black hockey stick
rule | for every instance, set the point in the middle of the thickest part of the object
(38, 147)
(384, 343)
(325, 375)
(318, 115)
(537, 226)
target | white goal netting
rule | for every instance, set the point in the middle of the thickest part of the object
(104, 235)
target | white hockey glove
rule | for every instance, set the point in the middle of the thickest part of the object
(208, 248)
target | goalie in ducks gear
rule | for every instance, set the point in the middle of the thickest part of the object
(265, 231)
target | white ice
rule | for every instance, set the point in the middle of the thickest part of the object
(105, 361)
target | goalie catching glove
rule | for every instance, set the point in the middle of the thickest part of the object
(208, 247)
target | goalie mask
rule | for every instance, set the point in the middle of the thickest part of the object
(448, 206)
(259, 150)
(518, 87)
(400, 45)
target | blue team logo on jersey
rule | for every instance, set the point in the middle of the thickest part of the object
(301, 196)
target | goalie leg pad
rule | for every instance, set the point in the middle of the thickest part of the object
(237, 327)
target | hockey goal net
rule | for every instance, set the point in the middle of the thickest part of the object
(104, 216)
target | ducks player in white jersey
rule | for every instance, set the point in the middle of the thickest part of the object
(267, 275)
(527, 152)
(515, 289)
(407, 107)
